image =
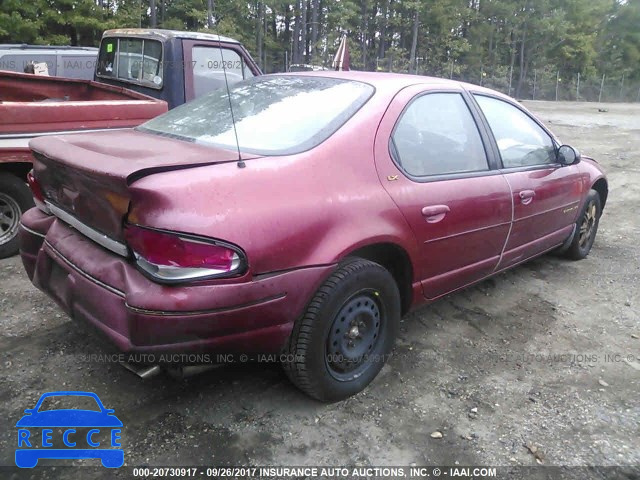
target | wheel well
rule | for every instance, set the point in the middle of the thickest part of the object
(396, 260)
(19, 169)
(603, 190)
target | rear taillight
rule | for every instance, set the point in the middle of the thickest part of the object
(38, 197)
(176, 257)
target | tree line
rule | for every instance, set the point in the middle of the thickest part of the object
(452, 38)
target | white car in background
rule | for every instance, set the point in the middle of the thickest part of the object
(62, 61)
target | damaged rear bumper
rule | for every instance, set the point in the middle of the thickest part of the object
(137, 315)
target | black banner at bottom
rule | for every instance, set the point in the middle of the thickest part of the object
(273, 472)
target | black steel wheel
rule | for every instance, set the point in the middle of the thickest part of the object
(354, 334)
(346, 334)
(586, 227)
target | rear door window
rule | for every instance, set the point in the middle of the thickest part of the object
(135, 60)
(437, 135)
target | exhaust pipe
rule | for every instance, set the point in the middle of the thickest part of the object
(184, 371)
(145, 371)
(142, 370)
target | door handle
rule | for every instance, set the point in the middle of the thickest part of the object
(526, 196)
(435, 213)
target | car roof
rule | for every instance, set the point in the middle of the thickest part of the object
(23, 47)
(397, 81)
(166, 34)
(378, 78)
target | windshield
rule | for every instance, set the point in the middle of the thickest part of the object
(273, 115)
(69, 402)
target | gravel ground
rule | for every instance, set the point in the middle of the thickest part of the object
(537, 365)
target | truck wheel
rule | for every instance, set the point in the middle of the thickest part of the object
(342, 341)
(15, 199)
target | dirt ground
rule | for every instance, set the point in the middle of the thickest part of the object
(545, 355)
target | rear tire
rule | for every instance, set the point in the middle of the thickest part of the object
(342, 341)
(15, 199)
(586, 227)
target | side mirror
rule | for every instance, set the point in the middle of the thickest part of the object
(567, 155)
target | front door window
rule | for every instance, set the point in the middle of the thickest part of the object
(521, 141)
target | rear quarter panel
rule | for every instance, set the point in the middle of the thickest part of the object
(288, 211)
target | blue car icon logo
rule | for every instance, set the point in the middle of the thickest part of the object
(98, 423)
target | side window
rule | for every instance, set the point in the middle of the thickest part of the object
(520, 140)
(437, 135)
(208, 69)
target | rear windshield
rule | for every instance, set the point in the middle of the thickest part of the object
(273, 115)
(133, 60)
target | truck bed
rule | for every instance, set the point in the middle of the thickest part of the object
(32, 105)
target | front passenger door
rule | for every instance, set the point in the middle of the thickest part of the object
(431, 159)
(545, 194)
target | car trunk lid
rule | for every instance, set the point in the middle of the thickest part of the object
(87, 175)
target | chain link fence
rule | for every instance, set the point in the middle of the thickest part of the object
(547, 85)
(536, 84)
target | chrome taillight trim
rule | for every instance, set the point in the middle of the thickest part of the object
(41, 206)
(169, 274)
(98, 237)
(175, 275)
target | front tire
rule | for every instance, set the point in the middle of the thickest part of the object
(15, 199)
(347, 332)
(586, 227)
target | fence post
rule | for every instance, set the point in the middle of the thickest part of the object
(535, 75)
(557, 82)
(621, 87)
(601, 87)
(578, 89)
(451, 72)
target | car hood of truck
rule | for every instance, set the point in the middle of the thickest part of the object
(88, 174)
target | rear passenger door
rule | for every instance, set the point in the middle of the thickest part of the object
(433, 160)
(545, 194)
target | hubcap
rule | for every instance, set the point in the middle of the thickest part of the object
(9, 218)
(588, 224)
(354, 334)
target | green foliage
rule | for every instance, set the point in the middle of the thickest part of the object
(471, 39)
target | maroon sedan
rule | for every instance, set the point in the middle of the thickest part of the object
(338, 202)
